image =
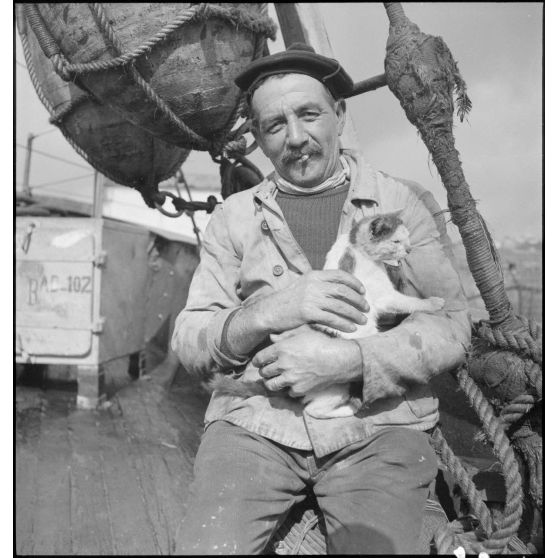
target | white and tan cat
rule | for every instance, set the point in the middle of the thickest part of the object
(362, 252)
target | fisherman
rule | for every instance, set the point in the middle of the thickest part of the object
(260, 275)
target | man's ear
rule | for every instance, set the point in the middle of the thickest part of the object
(341, 112)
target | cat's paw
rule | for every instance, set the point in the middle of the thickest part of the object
(434, 303)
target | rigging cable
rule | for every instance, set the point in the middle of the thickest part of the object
(45, 154)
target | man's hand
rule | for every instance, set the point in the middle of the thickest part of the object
(305, 360)
(331, 298)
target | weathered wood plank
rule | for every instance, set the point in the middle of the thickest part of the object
(131, 527)
(42, 451)
(91, 528)
(53, 533)
(28, 429)
(26, 475)
(107, 482)
(163, 468)
(145, 452)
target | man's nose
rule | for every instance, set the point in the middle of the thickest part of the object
(296, 135)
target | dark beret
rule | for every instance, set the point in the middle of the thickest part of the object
(299, 59)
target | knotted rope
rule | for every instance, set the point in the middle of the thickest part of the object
(515, 410)
(523, 342)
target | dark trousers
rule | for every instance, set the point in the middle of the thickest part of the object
(372, 493)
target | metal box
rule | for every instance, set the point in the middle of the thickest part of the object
(80, 294)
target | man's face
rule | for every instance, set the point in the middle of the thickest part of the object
(297, 125)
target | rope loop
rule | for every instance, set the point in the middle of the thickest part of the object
(499, 533)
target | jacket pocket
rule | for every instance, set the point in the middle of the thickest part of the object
(421, 401)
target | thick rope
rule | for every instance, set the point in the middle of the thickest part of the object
(31, 67)
(529, 444)
(533, 372)
(500, 533)
(47, 43)
(534, 327)
(512, 413)
(468, 487)
(59, 115)
(517, 409)
(523, 343)
(509, 524)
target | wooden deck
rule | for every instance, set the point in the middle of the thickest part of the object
(112, 481)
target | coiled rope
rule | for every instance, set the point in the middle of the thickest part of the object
(499, 533)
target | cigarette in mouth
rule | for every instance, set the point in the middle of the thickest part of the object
(304, 158)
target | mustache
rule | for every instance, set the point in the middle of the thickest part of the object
(291, 156)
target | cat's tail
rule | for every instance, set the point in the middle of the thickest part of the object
(226, 385)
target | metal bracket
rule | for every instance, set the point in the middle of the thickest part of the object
(98, 326)
(100, 259)
(27, 240)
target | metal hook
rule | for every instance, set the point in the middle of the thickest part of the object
(163, 210)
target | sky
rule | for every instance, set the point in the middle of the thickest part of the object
(498, 47)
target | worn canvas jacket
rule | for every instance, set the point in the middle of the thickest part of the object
(249, 251)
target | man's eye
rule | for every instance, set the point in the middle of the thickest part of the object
(310, 115)
(274, 128)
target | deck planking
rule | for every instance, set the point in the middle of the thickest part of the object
(111, 481)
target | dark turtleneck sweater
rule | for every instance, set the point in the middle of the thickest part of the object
(314, 220)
